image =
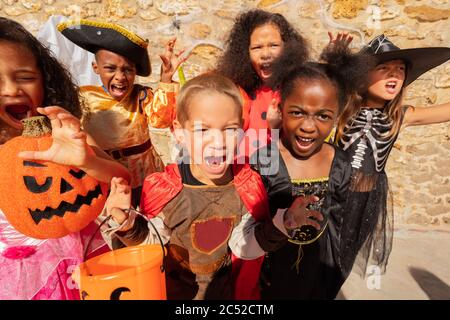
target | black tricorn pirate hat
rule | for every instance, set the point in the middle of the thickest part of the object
(93, 35)
(418, 60)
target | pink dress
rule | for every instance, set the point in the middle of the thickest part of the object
(33, 269)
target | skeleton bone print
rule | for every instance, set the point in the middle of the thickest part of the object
(380, 41)
(368, 129)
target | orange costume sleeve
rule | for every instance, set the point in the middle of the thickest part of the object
(160, 109)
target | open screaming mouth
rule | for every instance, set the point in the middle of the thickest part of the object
(304, 141)
(391, 84)
(64, 206)
(118, 89)
(266, 67)
(215, 161)
(18, 112)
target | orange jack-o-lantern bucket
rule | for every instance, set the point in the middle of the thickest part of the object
(132, 273)
(42, 199)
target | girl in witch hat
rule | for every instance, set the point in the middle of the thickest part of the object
(367, 131)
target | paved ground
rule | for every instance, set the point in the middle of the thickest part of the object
(419, 268)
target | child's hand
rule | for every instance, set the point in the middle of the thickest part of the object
(119, 200)
(171, 61)
(69, 145)
(298, 215)
(341, 38)
(274, 115)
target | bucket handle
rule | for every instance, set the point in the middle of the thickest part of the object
(159, 238)
(162, 268)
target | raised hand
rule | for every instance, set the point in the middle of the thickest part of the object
(299, 215)
(341, 38)
(273, 115)
(171, 61)
(69, 145)
(119, 200)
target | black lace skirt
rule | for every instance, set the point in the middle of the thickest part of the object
(367, 228)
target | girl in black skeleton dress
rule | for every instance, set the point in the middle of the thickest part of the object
(302, 172)
(367, 131)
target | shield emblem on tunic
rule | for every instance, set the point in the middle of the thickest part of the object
(210, 234)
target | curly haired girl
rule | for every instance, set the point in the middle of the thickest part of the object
(255, 41)
(309, 175)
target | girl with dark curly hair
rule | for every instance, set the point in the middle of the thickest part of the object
(255, 41)
(310, 177)
(32, 82)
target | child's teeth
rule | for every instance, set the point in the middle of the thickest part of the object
(214, 160)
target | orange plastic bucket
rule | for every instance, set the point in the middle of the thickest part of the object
(131, 273)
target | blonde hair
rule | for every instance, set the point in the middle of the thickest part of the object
(394, 111)
(206, 82)
(351, 108)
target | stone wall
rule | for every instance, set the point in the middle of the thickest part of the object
(419, 167)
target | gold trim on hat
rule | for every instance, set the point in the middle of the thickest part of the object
(128, 34)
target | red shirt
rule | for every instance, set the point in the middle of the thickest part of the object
(255, 120)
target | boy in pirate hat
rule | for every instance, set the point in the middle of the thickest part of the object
(120, 111)
(367, 131)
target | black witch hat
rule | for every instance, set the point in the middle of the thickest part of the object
(418, 60)
(93, 36)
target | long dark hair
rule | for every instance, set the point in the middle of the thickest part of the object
(59, 88)
(235, 62)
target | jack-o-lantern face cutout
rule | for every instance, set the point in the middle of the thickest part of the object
(115, 295)
(65, 186)
(43, 199)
